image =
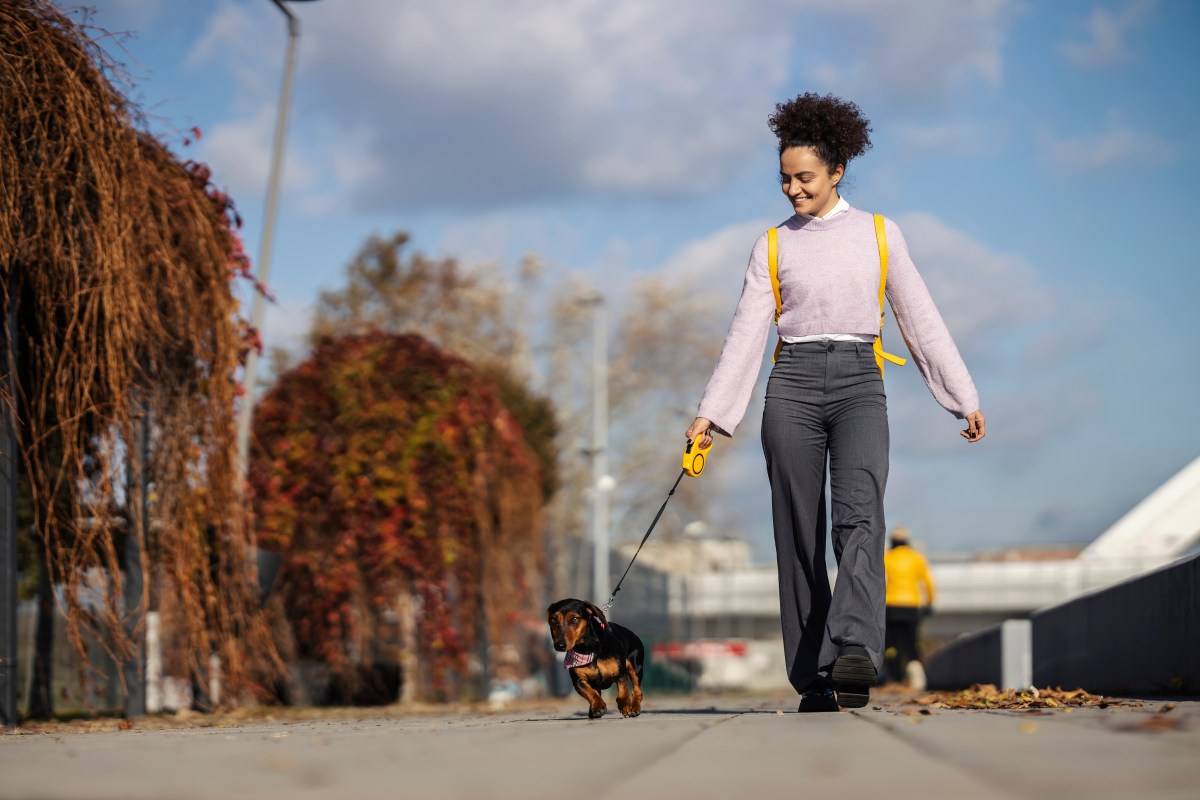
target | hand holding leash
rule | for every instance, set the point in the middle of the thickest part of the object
(701, 428)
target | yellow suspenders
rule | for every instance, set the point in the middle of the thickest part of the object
(877, 346)
(881, 240)
(773, 260)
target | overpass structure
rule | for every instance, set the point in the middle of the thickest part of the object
(1162, 528)
(1165, 524)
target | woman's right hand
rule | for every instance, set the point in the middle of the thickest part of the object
(700, 427)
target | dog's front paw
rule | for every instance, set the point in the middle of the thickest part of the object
(597, 711)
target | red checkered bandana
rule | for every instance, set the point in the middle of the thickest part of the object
(575, 659)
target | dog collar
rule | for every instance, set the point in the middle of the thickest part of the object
(575, 659)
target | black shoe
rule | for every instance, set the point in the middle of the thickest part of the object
(818, 700)
(853, 674)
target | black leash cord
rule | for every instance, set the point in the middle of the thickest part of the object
(661, 509)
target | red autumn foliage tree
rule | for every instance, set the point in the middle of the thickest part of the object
(388, 472)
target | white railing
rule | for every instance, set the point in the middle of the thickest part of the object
(1023, 586)
(1017, 587)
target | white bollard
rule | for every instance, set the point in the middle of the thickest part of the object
(1016, 654)
(214, 680)
(154, 683)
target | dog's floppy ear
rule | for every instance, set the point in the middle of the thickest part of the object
(595, 615)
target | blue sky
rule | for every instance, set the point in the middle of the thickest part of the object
(1041, 159)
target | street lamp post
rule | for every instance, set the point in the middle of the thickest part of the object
(602, 482)
(263, 265)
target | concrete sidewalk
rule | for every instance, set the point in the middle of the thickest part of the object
(687, 747)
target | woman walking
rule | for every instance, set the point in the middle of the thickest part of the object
(825, 401)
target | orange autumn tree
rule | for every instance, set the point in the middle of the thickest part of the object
(391, 476)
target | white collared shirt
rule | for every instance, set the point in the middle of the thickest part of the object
(838, 208)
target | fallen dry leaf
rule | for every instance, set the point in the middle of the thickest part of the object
(1155, 724)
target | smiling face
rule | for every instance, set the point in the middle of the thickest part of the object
(808, 182)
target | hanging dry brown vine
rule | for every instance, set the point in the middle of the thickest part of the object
(118, 260)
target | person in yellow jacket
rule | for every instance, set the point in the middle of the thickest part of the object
(909, 594)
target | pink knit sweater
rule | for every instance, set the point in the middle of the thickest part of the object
(829, 281)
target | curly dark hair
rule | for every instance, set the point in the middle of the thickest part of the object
(835, 128)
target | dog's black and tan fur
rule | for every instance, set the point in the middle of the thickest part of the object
(580, 626)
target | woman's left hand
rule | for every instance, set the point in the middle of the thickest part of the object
(976, 427)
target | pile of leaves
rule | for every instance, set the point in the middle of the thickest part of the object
(987, 696)
(407, 504)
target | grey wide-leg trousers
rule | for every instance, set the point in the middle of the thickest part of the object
(825, 402)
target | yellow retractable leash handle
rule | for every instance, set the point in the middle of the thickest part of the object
(695, 456)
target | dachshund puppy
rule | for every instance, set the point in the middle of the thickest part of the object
(599, 653)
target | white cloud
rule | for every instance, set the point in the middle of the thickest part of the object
(247, 41)
(909, 54)
(353, 158)
(239, 153)
(980, 292)
(1079, 328)
(1104, 36)
(717, 262)
(529, 101)
(1119, 144)
(953, 137)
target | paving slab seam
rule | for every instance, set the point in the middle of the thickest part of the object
(621, 790)
(911, 741)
